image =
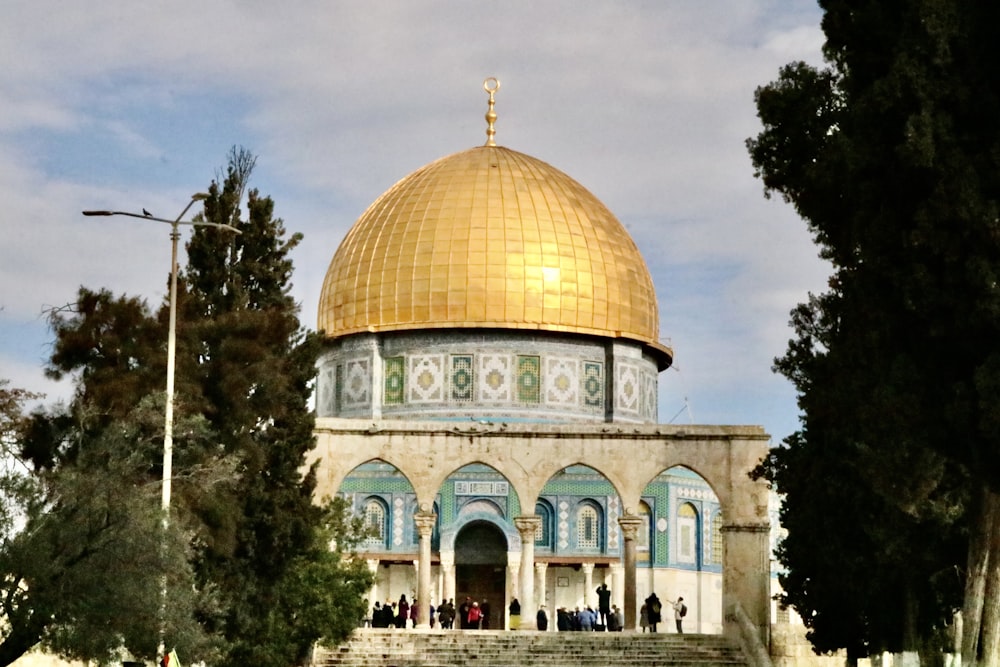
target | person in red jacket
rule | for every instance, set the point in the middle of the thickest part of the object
(475, 615)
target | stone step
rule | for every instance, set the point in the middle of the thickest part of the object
(499, 648)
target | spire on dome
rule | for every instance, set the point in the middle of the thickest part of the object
(491, 86)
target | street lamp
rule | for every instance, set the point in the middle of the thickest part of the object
(168, 428)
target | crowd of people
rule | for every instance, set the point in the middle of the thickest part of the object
(401, 614)
(475, 615)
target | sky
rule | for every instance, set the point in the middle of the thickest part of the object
(125, 105)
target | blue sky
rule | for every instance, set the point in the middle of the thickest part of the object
(130, 105)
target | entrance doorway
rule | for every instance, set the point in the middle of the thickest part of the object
(481, 568)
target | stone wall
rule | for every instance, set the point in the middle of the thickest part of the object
(790, 648)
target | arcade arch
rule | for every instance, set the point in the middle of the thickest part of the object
(681, 557)
(527, 456)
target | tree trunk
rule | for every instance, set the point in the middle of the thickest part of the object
(991, 599)
(18, 641)
(975, 582)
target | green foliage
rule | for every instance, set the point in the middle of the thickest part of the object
(252, 380)
(84, 575)
(890, 155)
(251, 572)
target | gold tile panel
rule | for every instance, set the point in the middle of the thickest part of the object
(489, 237)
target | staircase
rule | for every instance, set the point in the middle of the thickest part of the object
(499, 648)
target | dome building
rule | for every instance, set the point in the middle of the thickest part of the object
(487, 401)
(489, 284)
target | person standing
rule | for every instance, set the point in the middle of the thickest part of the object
(603, 604)
(475, 616)
(463, 613)
(680, 611)
(613, 619)
(446, 614)
(653, 609)
(515, 614)
(542, 619)
(402, 612)
(484, 614)
(562, 619)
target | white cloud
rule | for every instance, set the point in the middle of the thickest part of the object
(647, 104)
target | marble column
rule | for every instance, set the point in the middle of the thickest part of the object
(425, 527)
(540, 571)
(630, 525)
(448, 574)
(588, 583)
(618, 585)
(372, 564)
(513, 580)
(526, 526)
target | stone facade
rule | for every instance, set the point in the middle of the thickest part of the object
(459, 476)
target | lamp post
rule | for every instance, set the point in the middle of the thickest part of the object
(168, 428)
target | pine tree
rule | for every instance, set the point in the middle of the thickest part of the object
(890, 155)
(254, 369)
(268, 586)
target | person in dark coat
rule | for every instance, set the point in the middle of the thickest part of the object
(542, 619)
(388, 615)
(402, 612)
(603, 604)
(484, 610)
(463, 613)
(653, 608)
(562, 620)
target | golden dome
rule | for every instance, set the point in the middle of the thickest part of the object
(490, 238)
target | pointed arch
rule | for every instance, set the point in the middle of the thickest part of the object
(544, 532)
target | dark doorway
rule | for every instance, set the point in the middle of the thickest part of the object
(481, 568)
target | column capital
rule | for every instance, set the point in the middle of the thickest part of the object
(425, 522)
(630, 525)
(541, 567)
(588, 568)
(447, 558)
(526, 525)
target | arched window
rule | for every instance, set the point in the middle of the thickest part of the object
(645, 530)
(687, 533)
(715, 555)
(543, 533)
(375, 522)
(588, 527)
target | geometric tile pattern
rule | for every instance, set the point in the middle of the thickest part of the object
(326, 403)
(357, 383)
(614, 511)
(563, 525)
(397, 521)
(462, 377)
(562, 381)
(593, 384)
(648, 390)
(394, 381)
(495, 377)
(425, 380)
(627, 388)
(529, 379)
(434, 375)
